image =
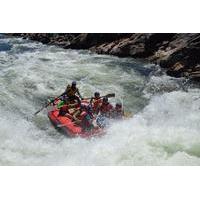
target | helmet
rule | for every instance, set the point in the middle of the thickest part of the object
(105, 99)
(96, 94)
(118, 105)
(73, 82)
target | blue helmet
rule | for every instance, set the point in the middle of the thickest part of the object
(73, 82)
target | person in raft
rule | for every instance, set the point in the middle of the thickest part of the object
(96, 102)
(71, 92)
(118, 112)
(64, 109)
(106, 108)
(84, 117)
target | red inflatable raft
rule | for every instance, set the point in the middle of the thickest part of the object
(65, 124)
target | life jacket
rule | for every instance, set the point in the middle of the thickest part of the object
(63, 110)
(106, 108)
(70, 91)
(96, 104)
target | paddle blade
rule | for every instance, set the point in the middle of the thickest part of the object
(110, 95)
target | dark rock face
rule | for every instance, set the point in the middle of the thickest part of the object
(178, 53)
(88, 40)
(136, 45)
(184, 50)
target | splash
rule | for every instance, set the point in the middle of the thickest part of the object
(163, 129)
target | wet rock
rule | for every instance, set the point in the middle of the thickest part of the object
(135, 46)
(178, 66)
(176, 70)
(89, 40)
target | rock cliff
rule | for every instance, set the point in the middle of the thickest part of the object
(179, 54)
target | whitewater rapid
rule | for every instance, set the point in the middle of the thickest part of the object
(164, 129)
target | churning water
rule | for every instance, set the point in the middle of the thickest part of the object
(164, 129)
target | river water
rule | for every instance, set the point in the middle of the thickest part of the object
(164, 128)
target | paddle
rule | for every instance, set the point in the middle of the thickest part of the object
(108, 96)
(46, 105)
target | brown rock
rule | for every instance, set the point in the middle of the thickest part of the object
(178, 53)
(178, 66)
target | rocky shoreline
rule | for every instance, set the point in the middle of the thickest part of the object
(179, 54)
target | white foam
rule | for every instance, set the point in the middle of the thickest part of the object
(164, 132)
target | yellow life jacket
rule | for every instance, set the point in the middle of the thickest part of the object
(71, 91)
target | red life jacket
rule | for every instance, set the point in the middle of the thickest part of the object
(63, 110)
(106, 108)
(96, 104)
